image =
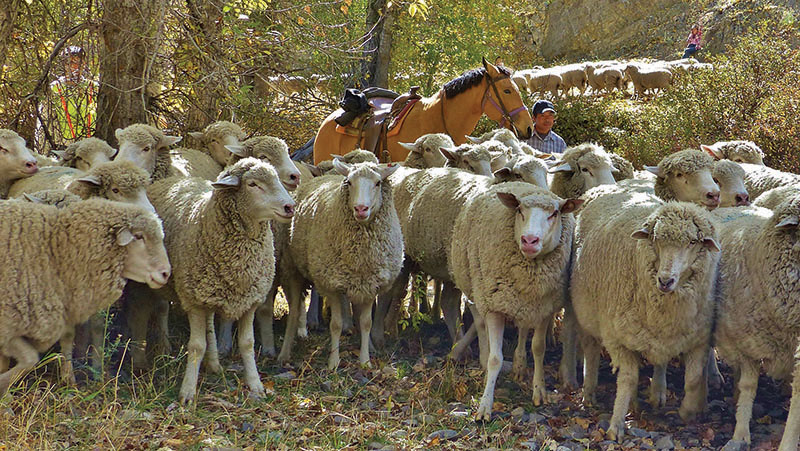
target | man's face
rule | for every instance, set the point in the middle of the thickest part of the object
(74, 63)
(544, 122)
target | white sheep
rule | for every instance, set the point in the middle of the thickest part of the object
(346, 240)
(220, 244)
(686, 176)
(772, 198)
(272, 150)
(737, 151)
(646, 77)
(572, 76)
(544, 80)
(216, 136)
(757, 298)
(16, 161)
(424, 152)
(642, 286)
(510, 254)
(91, 248)
(730, 178)
(605, 78)
(581, 168)
(86, 153)
(760, 179)
(148, 148)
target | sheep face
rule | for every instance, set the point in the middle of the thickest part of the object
(730, 178)
(142, 148)
(91, 159)
(217, 148)
(364, 185)
(16, 161)
(672, 240)
(258, 190)
(275, 152)
(468, 158)
(537, 221)
(524, 168)
(593, 169)
(427, 146)
(146, 259)
(697, 187)
(736, 151)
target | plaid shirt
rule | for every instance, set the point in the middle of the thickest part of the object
(551, 143)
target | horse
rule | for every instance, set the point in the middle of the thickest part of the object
(454, 110)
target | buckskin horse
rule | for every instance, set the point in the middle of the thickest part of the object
(454, 109)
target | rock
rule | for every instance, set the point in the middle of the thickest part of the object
(536, 418)
(286, 375)
(341, 419)
(400, 433)
(735, 445)
(247, 427)
(375, 445)
(459, 413)
(411, 422)
(604, 425)
(443, 435)
(636, 432)
(531, 445)
(518, 412)
(327, 386)
(665, 442)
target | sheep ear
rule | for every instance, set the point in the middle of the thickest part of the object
(124, 237)
(341, 167)
(409, 147)
(169, 140)
(789, 222)
(570, 205)
(544, 156)
(448, 154)
(32, 198)
(654, 170)
(509, 200)
(91, 180)
(386, 171)
(473, 139)
(614, 168)
(58, 153)
(563, 167)
(641, 234)
(712, 151)
(117, 132)
(114, 154)
(502, 174)
(711, 244)
(236, 150)
(314, 170)
(229, 181)
(197, 135)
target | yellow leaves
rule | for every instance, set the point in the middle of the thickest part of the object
(300, 20)
(418, 7)
(307, 9)
(344, 9)
(389, 404)
(583, 422)
(348, 2)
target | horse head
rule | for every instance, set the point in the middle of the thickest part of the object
(503, 103)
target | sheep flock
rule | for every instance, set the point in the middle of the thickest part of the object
(663, 263)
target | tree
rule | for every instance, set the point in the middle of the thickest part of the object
(375, 31)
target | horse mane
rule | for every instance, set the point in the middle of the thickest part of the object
(468, 80)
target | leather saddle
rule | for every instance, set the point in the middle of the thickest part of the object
(371, 114)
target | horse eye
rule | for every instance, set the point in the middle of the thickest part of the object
(507, 91)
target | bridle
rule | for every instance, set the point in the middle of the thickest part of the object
(506, 115)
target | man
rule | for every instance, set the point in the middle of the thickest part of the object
(74, 98)
(544, 139)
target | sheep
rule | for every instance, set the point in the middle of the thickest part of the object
(272, 150)
(86, 153)
(216, 136)
(581, 168)
(148, 148)
(572, 76)
(90, 247)
(738, 151)
(544, 80)
(792, 429)
(730, 178)
(424, 152)
(605, 78)
(757, 297)
(686, 176)
(520, 80)
(772, 198)
(521, 274)
(57, 197)
(507, 137)
(120, 181)
(357, 204)
(648, 77)
(625, 169)
(219, 240)
(760, 179)
(16, 161)
(642, 285)
(193, 163)
(354, 156)
(471, 158)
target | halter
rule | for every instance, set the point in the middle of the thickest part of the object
(506, 115)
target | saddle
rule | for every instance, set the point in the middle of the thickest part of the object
(373, 115)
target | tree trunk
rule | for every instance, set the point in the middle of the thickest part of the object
(8, 17)
(374, 31)
(206, 26)
(384, 56)
(131, 31)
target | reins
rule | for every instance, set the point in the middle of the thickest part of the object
(506, 115)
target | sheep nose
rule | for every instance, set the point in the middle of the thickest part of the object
(31, 167)
(713, 196)
(288, 209)
(742, 199)
(530, 239)
(666, 285)
(295, 177)
(362, 211)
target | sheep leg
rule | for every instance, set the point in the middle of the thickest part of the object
(495, 323)
(67, 343)
(195, 351)
(451, 308)
(302, 319)
(569, 364)
(520, 354)
(160, 313)
(138, 318)
(293, 290)
(627, 364)
(225, 339)
(265, 314)
(314, 307)
(714, 375)
(748, 383)
(26, 356)
(792, 430)
(386, 301)
(591, 366)
(694, 384)
(365, 324)
(336, 331)
(436, 310)
(537, 349)
(483, 338)
(463, 343)
(4, 362)
(211, 359)
(97, 334)
(658, 386)
(347, 313)
(246, 345)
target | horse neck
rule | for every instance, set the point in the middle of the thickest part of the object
(461, 112)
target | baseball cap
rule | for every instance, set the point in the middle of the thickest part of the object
(543, 106)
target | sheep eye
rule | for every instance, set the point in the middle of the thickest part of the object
(716, 181)
(584, 170)
(115, 190)
(251, 184)
(679, 175)
(3, 149)
(739, 160)
(262, 157)
(146, 149)
(378, 183)
(138, 236)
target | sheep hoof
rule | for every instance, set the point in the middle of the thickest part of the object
(658, 397)
(333, 362)
(616, 431)
(213, 367)
(518, 374)
(687, 413)
(569, 380)
(539, 396)
(484, 412)
(366, 365)
(186, 397)
(282, 359)
(302, 332)
(257, 394)
(589, 399)
(268, 351)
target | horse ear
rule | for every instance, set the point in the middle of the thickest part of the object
(491, 69)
